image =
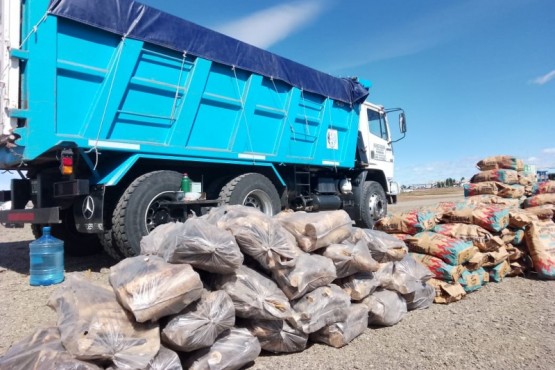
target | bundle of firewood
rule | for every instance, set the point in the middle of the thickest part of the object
(216, 290)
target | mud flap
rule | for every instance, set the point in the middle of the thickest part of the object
(88, 211)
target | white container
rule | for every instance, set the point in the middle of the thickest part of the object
(196, 187)
(192, 196)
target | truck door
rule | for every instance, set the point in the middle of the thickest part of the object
(375, 135)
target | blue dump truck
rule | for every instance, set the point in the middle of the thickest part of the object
(106, 103)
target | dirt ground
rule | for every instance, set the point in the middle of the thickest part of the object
(508, 325)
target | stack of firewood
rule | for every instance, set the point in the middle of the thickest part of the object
(216, 290)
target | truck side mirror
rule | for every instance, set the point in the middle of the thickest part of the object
(402, 123)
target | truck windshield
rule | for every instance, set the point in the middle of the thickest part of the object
(377, 125)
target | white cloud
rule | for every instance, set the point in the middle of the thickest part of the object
(269, 26)
(532, 159)
(549, 151)
(542, 80)
(439, 26)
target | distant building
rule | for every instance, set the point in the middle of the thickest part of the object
(545, 174)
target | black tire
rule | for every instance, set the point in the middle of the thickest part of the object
(373, 205)
(110, 246)
(75, 243)
(138, 210)
(252, 190)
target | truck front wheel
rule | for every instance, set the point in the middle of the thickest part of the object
(140, 209)
(252, 190)
(373, 205)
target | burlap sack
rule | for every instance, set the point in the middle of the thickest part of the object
(447, 292)
(471, 281)
(500, 175)
(544, 187)
(501, 161)
(450, 250)
(479, 236)
(492, 218)
(480, 188)
(440, 270)
(459, 216)
(519, 218)
(539, 200)
(515, 253)
(544, 212)
(487, 199)
(527, 178)
(411, 222)
(497, 273)
(476, 262)
(514, 191)
(511, 236)
(540, 239)
(497, 257)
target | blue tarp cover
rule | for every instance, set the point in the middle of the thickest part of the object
(135, 20)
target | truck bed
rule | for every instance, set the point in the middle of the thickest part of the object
(117, 76)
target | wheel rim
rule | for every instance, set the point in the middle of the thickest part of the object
(156, 214)
(260, 200)
(375, 204)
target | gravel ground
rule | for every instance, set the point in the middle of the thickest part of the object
(509, 325)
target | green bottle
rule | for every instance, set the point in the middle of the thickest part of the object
(186, 183)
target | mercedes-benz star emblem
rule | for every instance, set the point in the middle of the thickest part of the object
(88, 207)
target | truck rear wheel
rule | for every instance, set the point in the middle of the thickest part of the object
(110, 246)
(75, 243)
(252, 190)
(139, 210)
(373, 205)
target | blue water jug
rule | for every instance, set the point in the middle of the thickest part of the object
(47, 259)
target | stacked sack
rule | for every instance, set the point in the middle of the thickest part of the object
(216, 290)
(530, 205)
(502, 227)
(450, 260)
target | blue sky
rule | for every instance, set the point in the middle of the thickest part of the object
(475, 77)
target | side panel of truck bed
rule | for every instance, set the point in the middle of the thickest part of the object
(90, 87)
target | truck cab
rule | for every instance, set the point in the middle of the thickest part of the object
(375, 147)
